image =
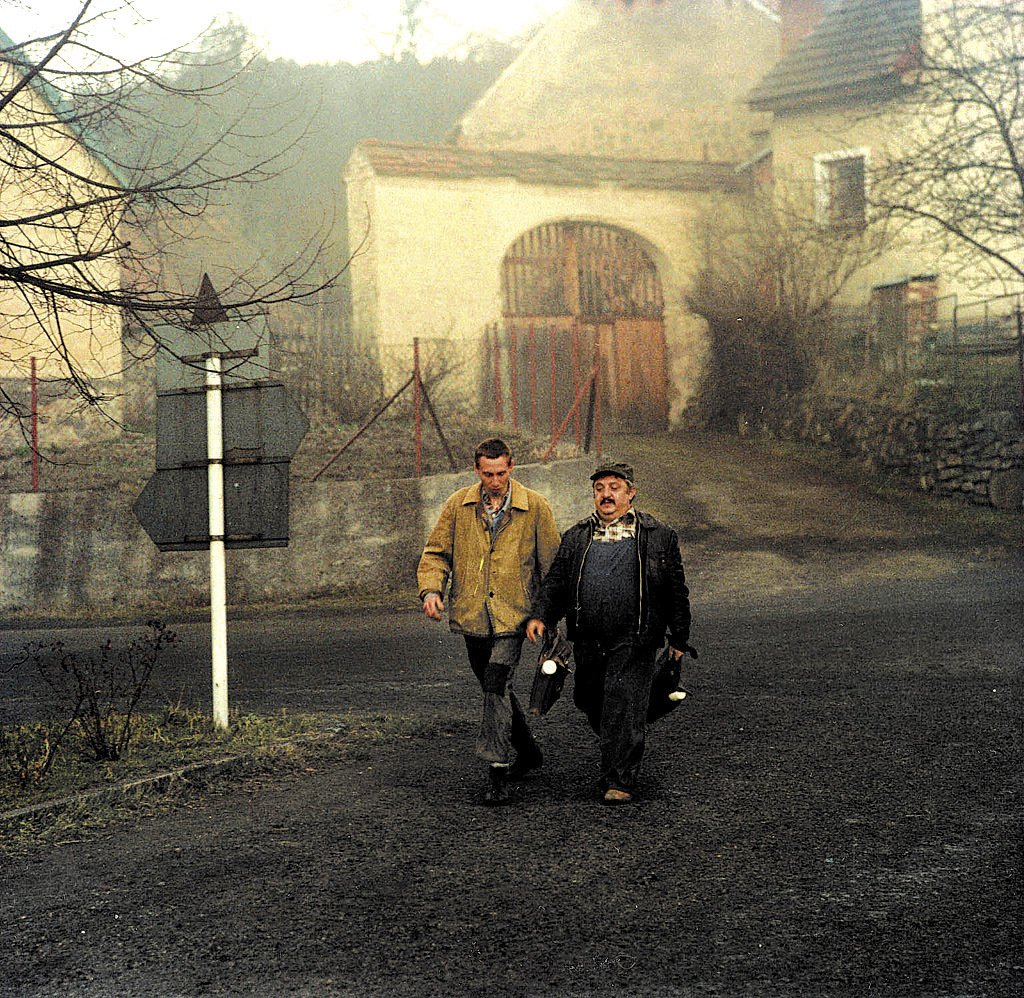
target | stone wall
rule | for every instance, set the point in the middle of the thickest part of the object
(980, 458)
(82, 552)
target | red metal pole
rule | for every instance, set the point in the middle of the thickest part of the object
(554, 402)
(1020, 356)
(597, 409)
(35, 428)
(533, 381)
(499, 408)
(514, 374)
(580, 392)
(574, 348)
(416, 403)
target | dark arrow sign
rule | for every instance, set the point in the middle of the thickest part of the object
(180, 359)
(261, 429)
(260, 423)
(174, 510)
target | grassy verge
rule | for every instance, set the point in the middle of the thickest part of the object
(174, 755)
(397, 599)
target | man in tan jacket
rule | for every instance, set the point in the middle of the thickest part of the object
(490, 548)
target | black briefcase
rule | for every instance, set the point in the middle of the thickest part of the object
(554, 663)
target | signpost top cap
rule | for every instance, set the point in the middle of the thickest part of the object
(209, 308)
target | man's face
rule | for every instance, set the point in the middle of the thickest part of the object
(494, 472)
(612, 497)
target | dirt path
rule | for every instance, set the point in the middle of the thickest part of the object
(834, 812)
(754, 525)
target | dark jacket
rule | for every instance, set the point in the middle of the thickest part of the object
(664, 600)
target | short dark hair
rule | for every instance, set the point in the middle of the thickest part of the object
(492, 448)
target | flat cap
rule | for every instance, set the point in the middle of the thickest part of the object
(614, 468)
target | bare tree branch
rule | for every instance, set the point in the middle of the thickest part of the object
(103, 180)
(955, 165)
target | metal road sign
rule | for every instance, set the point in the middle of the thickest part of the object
(224, 440)
(261, 427)
(181, 352)
(173, 507)
(261, 422)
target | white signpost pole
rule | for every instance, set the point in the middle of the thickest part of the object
(218, 567)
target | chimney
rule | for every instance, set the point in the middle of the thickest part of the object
(798, 18)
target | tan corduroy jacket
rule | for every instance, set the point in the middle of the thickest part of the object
(492, 583)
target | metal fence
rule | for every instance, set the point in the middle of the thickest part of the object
(979, 355)
(969, 354)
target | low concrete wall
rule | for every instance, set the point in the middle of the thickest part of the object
(86, 551)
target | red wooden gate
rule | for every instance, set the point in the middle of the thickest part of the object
(593, 294)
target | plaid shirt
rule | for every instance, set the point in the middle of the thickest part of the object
(618, 530)
(495, 517)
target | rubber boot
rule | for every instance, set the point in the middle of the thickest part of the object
(497, 790)
(526, 762)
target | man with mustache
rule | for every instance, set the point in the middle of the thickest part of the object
(618, 580)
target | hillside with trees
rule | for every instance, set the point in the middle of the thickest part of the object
(296, 210)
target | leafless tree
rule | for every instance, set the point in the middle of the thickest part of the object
(89, 224)
(768, 290)
(955, 166)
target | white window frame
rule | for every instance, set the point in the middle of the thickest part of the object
(822, 184)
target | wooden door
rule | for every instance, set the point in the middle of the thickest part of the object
(641, 384)
(599, 281)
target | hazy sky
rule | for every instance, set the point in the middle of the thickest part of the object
(303, 30)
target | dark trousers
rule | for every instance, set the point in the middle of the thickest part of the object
(612, 686)
(503, 729)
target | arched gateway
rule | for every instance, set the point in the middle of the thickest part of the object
(593, 293)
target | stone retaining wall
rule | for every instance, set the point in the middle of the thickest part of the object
(980, 459)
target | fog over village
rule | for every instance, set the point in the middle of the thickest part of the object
(280, 288)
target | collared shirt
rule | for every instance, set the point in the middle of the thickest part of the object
(495, 517)
(620, 529)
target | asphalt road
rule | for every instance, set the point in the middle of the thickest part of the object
(835, 811)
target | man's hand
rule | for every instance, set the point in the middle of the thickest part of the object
(535, 629)
(676, 653)
(433, 605)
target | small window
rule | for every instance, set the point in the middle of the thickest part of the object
(840, 182)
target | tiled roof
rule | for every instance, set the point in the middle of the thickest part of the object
(447, 162)
(858, 44)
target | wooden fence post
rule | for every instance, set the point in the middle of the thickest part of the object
(499, 409)
(554, 402)
(514, 374)
(532, 349)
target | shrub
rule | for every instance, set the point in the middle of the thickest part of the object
(98, 692)
(29, 750)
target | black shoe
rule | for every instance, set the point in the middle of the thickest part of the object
(498, 792)
(527, 760)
